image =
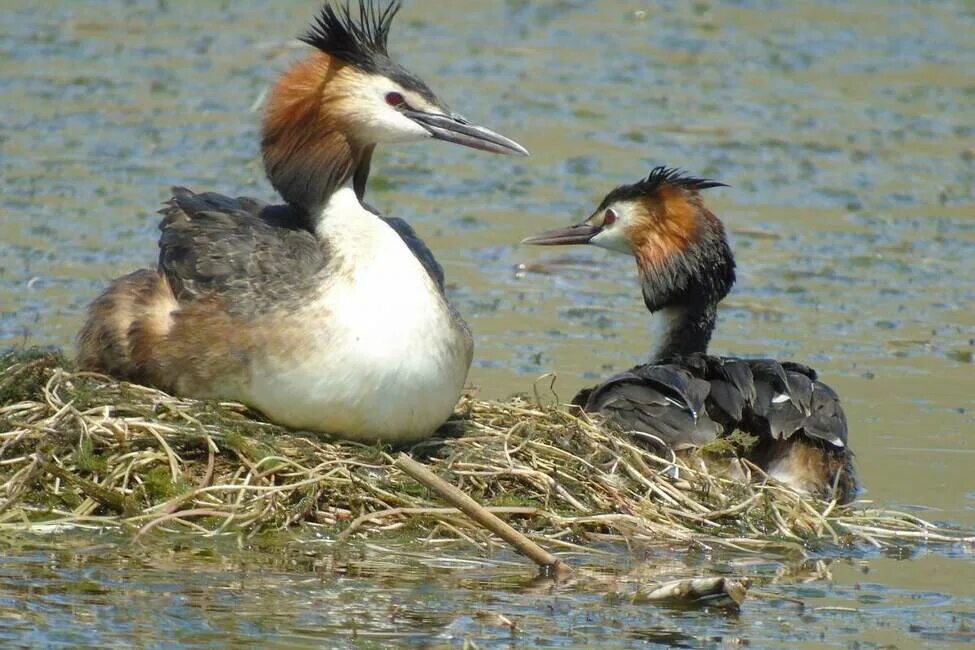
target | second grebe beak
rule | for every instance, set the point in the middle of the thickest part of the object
(578, 234)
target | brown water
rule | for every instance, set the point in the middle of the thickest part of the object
(848, 135)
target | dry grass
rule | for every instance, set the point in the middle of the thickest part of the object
(81, 449)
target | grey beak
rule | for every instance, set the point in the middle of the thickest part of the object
(453, 128)
(578, 234)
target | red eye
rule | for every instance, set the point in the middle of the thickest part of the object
(395, 99)
(609, 218)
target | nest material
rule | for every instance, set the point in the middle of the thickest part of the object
(82, 449)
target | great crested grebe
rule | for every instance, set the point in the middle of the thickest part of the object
(685, 396)
(319, 313)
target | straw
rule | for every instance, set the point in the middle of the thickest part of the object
(78, 448)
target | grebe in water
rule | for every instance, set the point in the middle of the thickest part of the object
(685, 396)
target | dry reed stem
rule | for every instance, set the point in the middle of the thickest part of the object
(79, 449)
(481, 515)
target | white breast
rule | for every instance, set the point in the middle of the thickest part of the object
(376, 354)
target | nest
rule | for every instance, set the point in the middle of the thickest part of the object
(79, 449)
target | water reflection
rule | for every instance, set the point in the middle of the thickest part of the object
(194, 593)
(844, 130)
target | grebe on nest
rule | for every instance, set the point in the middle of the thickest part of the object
(319, 313)
(685, 396)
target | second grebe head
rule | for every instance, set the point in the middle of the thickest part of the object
(680, 247)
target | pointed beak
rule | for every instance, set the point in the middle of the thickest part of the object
(577, 234)
(453, 128)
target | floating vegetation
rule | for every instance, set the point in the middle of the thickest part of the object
(80, 449)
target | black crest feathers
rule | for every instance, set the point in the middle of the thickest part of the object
(659, 178)
(357, 37)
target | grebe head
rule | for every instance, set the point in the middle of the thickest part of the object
(328, 111)
(680, 247)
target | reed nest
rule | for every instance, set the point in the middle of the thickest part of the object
(80, 449)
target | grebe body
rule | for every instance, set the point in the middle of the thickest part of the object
(321, 313)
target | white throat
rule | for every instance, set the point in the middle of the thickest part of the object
(342, 210)
(664, 323)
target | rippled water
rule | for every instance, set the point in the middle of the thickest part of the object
(846, 131)
(102, 593)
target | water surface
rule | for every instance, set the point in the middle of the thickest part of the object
(847, 135)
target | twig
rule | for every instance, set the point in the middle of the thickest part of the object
(111, 499)
(545, 560)
(198, 512)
